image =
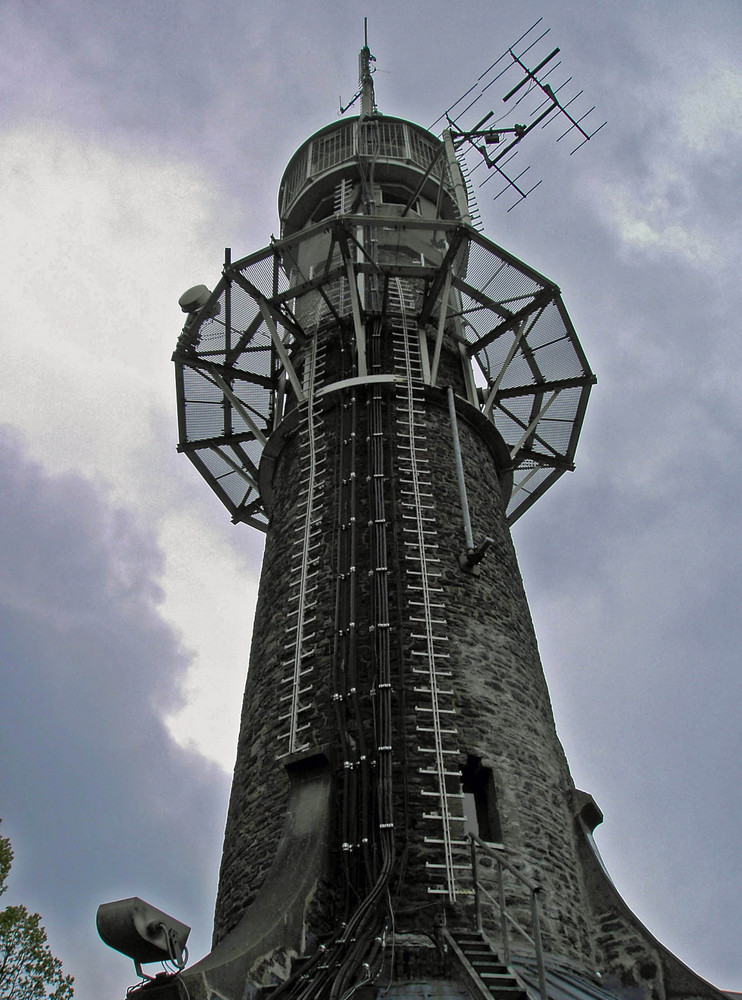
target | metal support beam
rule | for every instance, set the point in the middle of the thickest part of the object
(280, 349)
(348, 383)
(280, 398)
(214, 442)
(532, 426)
(238, 405)
(460, 471)
(524, 480)
(443, 273)
(357, 321)
(226, 408)
(515, 391)
(539, 301)
(471, 388)
(441, 326)
(239, 469)
(521, 329)
(424, 356)
(277, 315)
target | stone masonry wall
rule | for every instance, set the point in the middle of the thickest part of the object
(257, 805)
(503, 713)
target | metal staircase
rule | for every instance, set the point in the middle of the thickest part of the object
(482, 967)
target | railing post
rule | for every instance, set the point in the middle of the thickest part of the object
(503, 915)
(475, 877)
(536, 920)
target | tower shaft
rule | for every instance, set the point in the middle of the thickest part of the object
(420, 682)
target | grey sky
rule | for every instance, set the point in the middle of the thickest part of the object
(136, 141)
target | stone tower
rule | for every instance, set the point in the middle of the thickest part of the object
(383, 391)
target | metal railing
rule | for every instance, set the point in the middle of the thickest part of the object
(508, 923)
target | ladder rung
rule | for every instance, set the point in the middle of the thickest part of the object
(298, 694)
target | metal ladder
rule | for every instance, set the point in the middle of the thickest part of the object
(434, 711)
(301, 633)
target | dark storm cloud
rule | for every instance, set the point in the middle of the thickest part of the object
(97, 799)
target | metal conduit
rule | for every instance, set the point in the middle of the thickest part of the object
(460, 471)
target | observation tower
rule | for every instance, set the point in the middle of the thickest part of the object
(383, 391)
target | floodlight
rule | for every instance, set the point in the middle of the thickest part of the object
(142, 932)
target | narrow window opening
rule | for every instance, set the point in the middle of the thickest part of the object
(480, 801)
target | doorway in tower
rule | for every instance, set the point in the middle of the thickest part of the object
(480, 801)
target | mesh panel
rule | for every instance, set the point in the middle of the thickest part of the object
(534, 479)
(235, 487)
(203, 420)
(260, 274)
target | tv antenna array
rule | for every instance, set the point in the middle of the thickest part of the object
(540, 101)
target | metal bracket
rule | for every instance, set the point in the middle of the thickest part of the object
(469, 559)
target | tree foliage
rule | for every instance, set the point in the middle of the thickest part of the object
(28, 970)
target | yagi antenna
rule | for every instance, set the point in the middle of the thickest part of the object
(537, 98)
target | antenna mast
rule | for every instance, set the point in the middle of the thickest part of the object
(365, 80)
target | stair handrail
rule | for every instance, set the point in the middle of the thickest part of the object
(506, 919)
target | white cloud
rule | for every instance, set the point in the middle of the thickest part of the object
(206, 580)
(98, 244)
(709, 110)
(678, 199)
(641, 226)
